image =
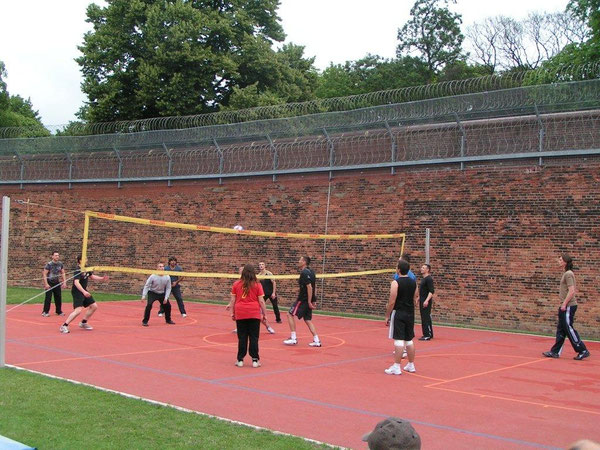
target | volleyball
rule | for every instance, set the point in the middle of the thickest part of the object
(238, 228)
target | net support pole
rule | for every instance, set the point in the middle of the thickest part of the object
(325, 240)
(86, 230)
(3, 276)
(427, 237)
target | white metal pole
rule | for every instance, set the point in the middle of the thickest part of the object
(427, 236)
(3, 276)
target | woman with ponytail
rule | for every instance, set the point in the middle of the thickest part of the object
(566, 313)
(247, 298)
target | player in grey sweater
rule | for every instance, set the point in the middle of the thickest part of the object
(157, 287)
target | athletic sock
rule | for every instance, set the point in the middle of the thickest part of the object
(293, 335)
(316, 338)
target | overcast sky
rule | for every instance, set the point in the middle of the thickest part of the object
(39, 39)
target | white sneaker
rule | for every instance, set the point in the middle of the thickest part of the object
(393, 370)
(85, 326)
(64, 329)
(160, 314)
(290, 341)
(239, 363)
(271, 330)
(256, 363)
(410, 367)
(184, 315)
(315, 344)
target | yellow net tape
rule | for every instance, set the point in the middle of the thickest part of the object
(231, 275)
(165, 224)
(162, 223)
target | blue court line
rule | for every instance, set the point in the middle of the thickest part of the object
(222, 383)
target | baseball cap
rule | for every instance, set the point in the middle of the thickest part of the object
(393, 433)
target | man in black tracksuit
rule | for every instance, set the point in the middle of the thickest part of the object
(426, 290)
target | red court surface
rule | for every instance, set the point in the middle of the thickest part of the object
(472, 389)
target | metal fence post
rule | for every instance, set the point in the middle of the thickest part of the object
(170, 168)
(70, 168)
(462, 140)
(394, 145)
(4, 276)
(221, 159)
(541, 133)
(331, 152)
(275, 156)
(120, 165)
(22, 161)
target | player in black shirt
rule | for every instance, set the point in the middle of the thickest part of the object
(426, 290)
(82, 299)
(304, 304)
(400, 317)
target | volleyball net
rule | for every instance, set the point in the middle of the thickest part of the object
(210, 256)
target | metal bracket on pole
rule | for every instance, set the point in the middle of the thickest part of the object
(331, 152)
(22, 161)
(463, 139)
(120, 165)
(542, 133)
(70, 168)
(394, 145)
(221, 159)
(275, 156)
(170, 169)
(3, 276)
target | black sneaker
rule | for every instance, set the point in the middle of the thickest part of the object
(425, 338)
(144, 324)
(170, 322)
(278, 321)
(551, 355)
(582, 355)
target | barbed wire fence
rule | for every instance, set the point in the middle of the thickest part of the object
(540, 121)
(487, 83)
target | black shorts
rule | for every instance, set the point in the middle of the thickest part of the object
(301, 310)
(80, 300)
(402, 325)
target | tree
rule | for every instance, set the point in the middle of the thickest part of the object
(434, 32)
(282, 77)
(584, 55)
(18, 113)
(503, 43)
(149, 58)
(371, 73)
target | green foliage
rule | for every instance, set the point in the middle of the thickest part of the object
(272, 78)
(17, 112)
(434, 32)
(369, 74)
(151, 58)
(588, 11)
(586, 56)
(461, 70)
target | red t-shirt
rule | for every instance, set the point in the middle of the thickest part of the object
(247, 307)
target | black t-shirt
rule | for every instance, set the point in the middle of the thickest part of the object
(425, 287)
(307, 276)
(405, 296)
(82, 277)
(267, 286)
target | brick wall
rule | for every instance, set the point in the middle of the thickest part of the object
(496, 233)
